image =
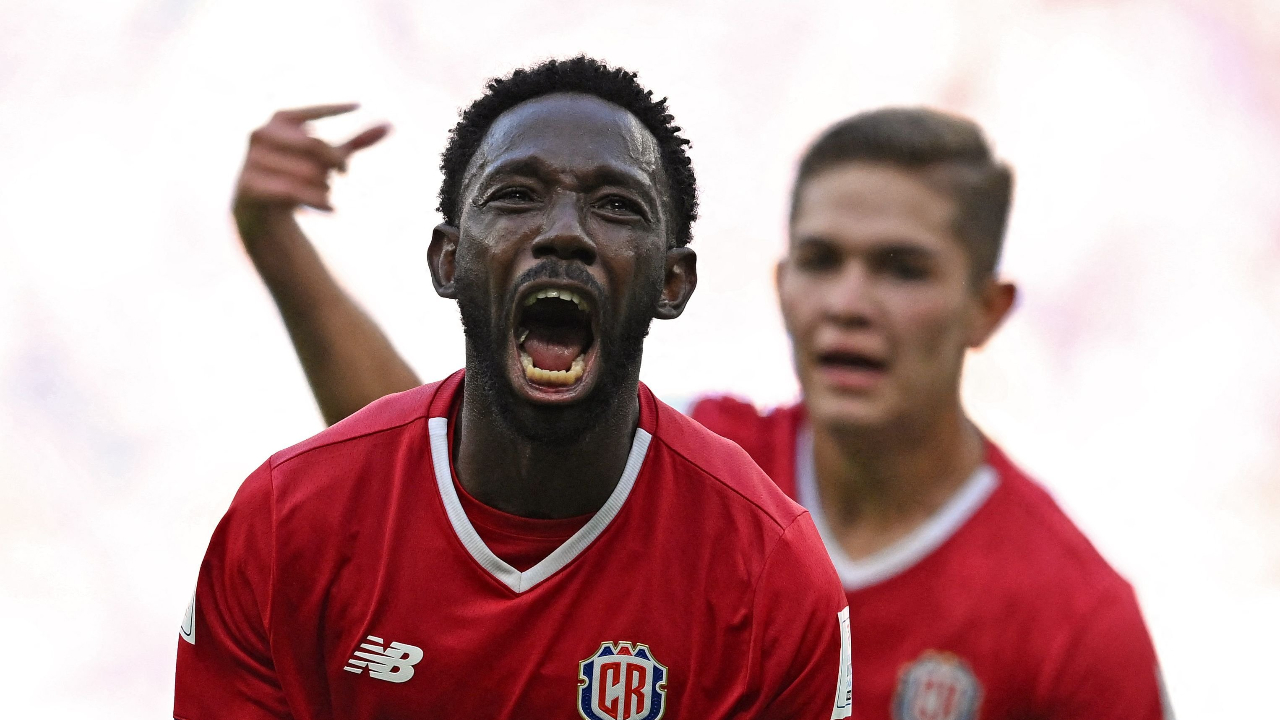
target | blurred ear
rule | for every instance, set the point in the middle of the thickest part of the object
(678, 283)
(442, 259)
(995, 302)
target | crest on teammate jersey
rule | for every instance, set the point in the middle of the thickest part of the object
(937, 686)
(621, 681)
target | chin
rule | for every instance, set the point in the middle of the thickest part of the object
(854, 413)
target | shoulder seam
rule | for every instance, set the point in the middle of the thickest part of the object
(755, 586)
(730, 488)
(1068, 539)
(338, 441)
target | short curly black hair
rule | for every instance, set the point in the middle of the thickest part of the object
(580, 74)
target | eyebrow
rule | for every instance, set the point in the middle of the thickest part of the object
(889, 247)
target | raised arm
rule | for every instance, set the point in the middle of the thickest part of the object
(348, 361)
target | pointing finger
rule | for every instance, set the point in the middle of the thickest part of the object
(364, 139)
(315, 112)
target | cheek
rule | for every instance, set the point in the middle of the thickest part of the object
(799, 309)
(929, 328)
(634, 272)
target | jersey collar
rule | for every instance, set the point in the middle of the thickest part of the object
(438, 426)
(905, 553)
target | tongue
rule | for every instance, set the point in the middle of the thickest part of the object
(554, 348)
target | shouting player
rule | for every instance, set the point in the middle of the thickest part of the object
(536, 536)
(972, 595)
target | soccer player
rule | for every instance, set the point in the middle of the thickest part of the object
(536, 536)
(971, 594)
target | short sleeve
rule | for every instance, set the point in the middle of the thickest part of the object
(1107, 669)
(800, 635)
(224, 665)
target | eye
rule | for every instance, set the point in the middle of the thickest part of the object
(907, 268)
(620, 205)
(816, 257)
(513, 195)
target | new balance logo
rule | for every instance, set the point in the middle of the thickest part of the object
(393, 663)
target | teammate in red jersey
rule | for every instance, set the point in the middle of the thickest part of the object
(538, 537)
(972, 595)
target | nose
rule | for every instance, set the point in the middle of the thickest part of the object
(563, 235)
(848, 299)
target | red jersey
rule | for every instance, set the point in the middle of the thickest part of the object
(996, 608)
(347, 581)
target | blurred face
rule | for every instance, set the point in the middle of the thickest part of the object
(560, 261)
(876, 294)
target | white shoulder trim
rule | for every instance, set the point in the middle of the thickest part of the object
(898, 557)
(561, 556)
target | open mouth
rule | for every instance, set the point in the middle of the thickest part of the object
(850, 361)
(555, 337)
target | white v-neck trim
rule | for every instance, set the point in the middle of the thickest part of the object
(903, 554)
(561, 556)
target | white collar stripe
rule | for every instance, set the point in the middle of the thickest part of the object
(905, 553)
(561, 556)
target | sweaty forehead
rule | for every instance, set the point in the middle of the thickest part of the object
(569, 132)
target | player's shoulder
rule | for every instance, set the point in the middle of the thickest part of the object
(709, 457)
(736, 418)
(1046, 543)
(361, 431)
(768, 436)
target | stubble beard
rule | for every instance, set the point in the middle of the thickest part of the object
(487, 339)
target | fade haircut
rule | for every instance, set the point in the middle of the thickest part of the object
(575, 75)
(952, 154)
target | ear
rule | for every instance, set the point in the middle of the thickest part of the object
(442, 256)
(995, 302)
(678, 283)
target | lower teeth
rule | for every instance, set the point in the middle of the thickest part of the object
(553, 377)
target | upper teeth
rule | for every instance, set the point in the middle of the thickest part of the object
(569, 295)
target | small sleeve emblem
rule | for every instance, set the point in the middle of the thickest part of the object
(188, 628)
(844, 685)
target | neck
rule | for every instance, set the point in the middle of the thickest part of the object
(507, 471)
(879, 485)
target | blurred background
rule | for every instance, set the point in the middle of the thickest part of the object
(144, 372)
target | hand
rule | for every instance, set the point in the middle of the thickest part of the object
(287, 167)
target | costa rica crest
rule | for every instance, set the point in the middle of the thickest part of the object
(937, 686)
(622, 681)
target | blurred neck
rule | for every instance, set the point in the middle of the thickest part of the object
(879, 484)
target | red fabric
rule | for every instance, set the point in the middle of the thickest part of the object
(520, 542)
(1017, 597)
(345, 536)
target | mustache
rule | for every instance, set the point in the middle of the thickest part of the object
(557, 270)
